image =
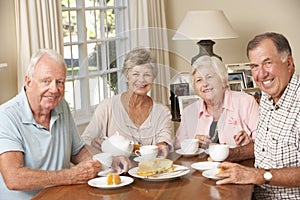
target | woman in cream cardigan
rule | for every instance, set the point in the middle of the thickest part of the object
(134, 114)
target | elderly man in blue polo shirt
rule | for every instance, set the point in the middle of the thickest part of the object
(38, 136)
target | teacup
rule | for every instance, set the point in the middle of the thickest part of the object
(147, 152)
(105, 159)
(189, 146)
(218, 152)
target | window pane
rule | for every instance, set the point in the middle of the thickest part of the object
(69, 90)
(110, 23)
(72, 60)
(92, 51)
(69, 26)
(93, 24)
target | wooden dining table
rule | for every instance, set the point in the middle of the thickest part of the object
(190, 186)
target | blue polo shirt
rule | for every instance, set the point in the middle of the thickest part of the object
(42, 149)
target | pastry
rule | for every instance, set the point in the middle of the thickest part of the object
(153, 166)
(113, 179)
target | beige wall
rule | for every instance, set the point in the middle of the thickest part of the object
(248, 19)
(8, 51)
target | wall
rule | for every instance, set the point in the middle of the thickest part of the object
(8, 51)
(248, 18)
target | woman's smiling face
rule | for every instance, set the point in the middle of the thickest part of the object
(208, 84)
(140, 79)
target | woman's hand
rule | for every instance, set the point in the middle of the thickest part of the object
(96, 143)
(241, 138)
(121, 164)
(163, 149)
(204, 141)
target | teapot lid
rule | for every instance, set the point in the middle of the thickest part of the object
(117, 137)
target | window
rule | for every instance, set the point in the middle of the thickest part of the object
(94, 48)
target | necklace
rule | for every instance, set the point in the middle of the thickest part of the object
(213, 132)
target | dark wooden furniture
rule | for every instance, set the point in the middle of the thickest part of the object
(190, 186)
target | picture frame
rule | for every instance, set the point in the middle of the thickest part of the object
(180, 89)
(184, 101)
(176, 90)
(245, 68)
(255, 92)
(237, 76)
(236, 85)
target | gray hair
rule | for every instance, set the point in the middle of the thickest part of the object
(140, 56)
(281, 43)
(213, 62)
(39, 54)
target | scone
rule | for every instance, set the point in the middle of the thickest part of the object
(113, 179)
(154, 166)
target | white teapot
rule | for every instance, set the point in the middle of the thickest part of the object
(117, 145)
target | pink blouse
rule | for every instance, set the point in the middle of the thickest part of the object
(240, 112)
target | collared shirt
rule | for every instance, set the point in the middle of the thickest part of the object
(240, 112)
(111, 117)
(42, 149)
(277, 141)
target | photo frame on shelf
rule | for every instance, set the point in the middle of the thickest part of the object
(236, 85)
(255, 92)
(186, 100)
(245, 68)
(180, 89)
(176, 90)
(237, 76)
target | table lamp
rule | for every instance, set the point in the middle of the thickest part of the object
(205, 26)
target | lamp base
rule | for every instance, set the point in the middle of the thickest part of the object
(205, 48)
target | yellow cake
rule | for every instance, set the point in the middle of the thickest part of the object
(153, 166)
(113, 179)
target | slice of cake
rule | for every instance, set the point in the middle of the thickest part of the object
(153, 166)
(113, 179)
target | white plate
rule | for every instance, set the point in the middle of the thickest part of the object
(100, 182)
(109, 170)
(201, 166)
(211, 174)
(180, 152)
(164, 176)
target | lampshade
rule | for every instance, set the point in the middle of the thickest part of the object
(205, 25)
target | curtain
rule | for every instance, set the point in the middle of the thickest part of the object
(147, 27)
(38, 26)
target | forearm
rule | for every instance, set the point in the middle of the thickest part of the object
(83, 155)
(241, 153)
(287, 177)
(29, 179)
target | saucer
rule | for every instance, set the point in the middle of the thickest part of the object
(181, 152)
(205, 165)
(211, 174)
(101, 182)
(105, 172)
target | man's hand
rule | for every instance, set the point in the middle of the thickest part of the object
(85, 171)
(239, 174)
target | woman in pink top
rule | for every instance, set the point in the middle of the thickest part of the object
(220, 115)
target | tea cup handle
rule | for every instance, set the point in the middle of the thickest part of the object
(138, 153)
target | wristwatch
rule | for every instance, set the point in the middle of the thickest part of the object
(267, 176)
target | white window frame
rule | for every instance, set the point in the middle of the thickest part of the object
(79, 83)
